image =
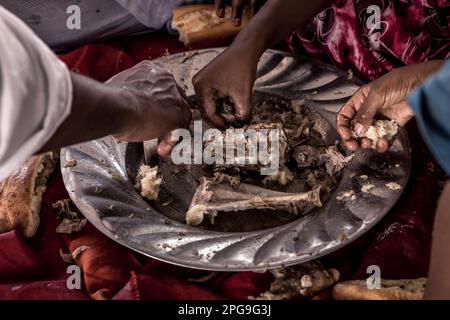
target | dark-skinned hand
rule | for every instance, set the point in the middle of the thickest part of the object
(237, 9)
(386, 96)
(232, 74)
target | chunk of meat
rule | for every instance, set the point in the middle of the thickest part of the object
(308, 156)
(336, 160)
(393, 186)
(148, 183)
(283, 177)
(386, 129)
(300, 281)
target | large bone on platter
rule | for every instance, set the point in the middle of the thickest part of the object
(245, 152)
(215, 195)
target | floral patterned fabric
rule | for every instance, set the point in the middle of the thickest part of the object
(372, 37)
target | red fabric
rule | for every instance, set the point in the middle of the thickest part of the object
(33, 268)
(372, 37)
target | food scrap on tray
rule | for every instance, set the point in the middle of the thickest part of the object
(148, 183)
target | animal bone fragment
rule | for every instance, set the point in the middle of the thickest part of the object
(213, 196)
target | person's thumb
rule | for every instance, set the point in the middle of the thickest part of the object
(243, 107)
(366, 113)
(166, 144)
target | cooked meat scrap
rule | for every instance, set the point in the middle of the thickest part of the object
(387, 129)
(350, 74)
(320, 177)
(69, 226)
(320, 127)
(345, 195)
(393, 186)
(234, 181)
(280, 111)
(283, 177)
(213, 196)
(308, 156)
(336, 160)
(367, 187)
(300, 281)
(71, 221)
(298, 132)
(148, 183)
(70, 163)
(246, 150)
(298, 106)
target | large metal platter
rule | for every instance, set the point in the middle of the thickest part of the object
(102, 189)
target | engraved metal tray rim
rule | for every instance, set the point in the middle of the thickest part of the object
(100, 187)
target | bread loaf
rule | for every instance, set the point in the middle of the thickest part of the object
(21, 195)
(403, 289)
(197, 23)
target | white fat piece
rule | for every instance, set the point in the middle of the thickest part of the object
(148, 183)
(381, 129)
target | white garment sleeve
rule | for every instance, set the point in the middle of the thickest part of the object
(35, 93)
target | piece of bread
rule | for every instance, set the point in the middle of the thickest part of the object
(21, 195)
(404, 289)
(197, 23)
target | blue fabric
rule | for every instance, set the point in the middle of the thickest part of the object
(431, 105)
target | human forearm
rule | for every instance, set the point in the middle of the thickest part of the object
(276, 20)
(387, 97)
(142, 103)
(233, 72)
(44, 106)
(97, 110)
(438, 284)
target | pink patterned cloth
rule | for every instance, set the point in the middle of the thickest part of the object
(373, 37)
